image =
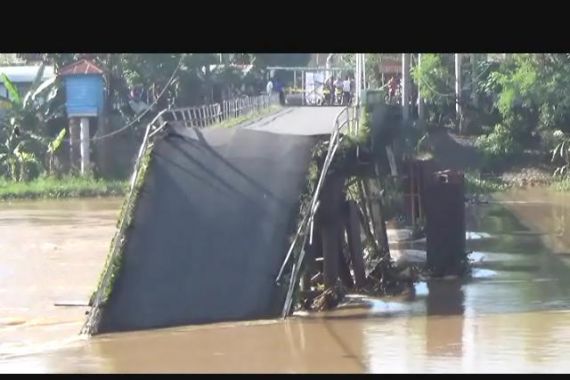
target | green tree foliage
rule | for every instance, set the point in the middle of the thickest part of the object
(435, 79)
(24, 142)
(532, 97)
(28, 142)
(520, 98)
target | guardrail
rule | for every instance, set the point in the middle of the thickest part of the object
(210, 114)
(203, 116)
(347, 118)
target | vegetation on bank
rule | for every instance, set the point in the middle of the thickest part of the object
(475, 185)
(512, 105)
(562, 185)
(66, 187)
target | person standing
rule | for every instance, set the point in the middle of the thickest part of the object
(269, 87)
(338, 90)
(280, 90)
(346, 97)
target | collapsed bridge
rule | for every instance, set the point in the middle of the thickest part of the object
(204, 233)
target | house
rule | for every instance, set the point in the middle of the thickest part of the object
(23, 76)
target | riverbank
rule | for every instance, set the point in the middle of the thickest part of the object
(452, 151)
(66, 187)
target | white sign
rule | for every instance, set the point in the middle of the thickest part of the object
(314, 87)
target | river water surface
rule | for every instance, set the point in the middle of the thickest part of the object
(512, 316)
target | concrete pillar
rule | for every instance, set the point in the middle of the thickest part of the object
(85, 162)
(331, 217)
(74, 139)
(445, 224)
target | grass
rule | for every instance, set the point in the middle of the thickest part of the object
(230, 123)
(66, 187)
(561, 184)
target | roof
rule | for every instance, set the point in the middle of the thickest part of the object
(24, 74)
(83, 66)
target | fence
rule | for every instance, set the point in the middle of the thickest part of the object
(210, 114)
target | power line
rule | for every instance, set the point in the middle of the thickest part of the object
(138, 118)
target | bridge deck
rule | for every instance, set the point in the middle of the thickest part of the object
(212, 224)
(299, 121)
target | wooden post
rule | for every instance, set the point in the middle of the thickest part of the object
(355, 245)
(85, 161)
(74, 139)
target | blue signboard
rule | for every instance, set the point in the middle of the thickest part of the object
(84, 95)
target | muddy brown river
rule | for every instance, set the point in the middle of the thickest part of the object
(513, 315)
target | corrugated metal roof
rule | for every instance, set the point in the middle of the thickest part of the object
(24, 74)
(83, 66)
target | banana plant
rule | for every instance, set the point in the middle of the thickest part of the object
(22, 132)
(16, 161)
(53, 147)
(561, 154)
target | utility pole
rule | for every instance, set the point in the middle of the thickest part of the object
(405, 87)
(364, 86)
(328, 73)
(357, 78)
(458, 90)
(474, 80)
(421, 108)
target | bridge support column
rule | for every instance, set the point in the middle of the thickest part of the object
(445, 224)
(355, 244)
(331, 220)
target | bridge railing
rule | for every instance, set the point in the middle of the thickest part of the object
(203, 116)
(345, 119)
(210, 114)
